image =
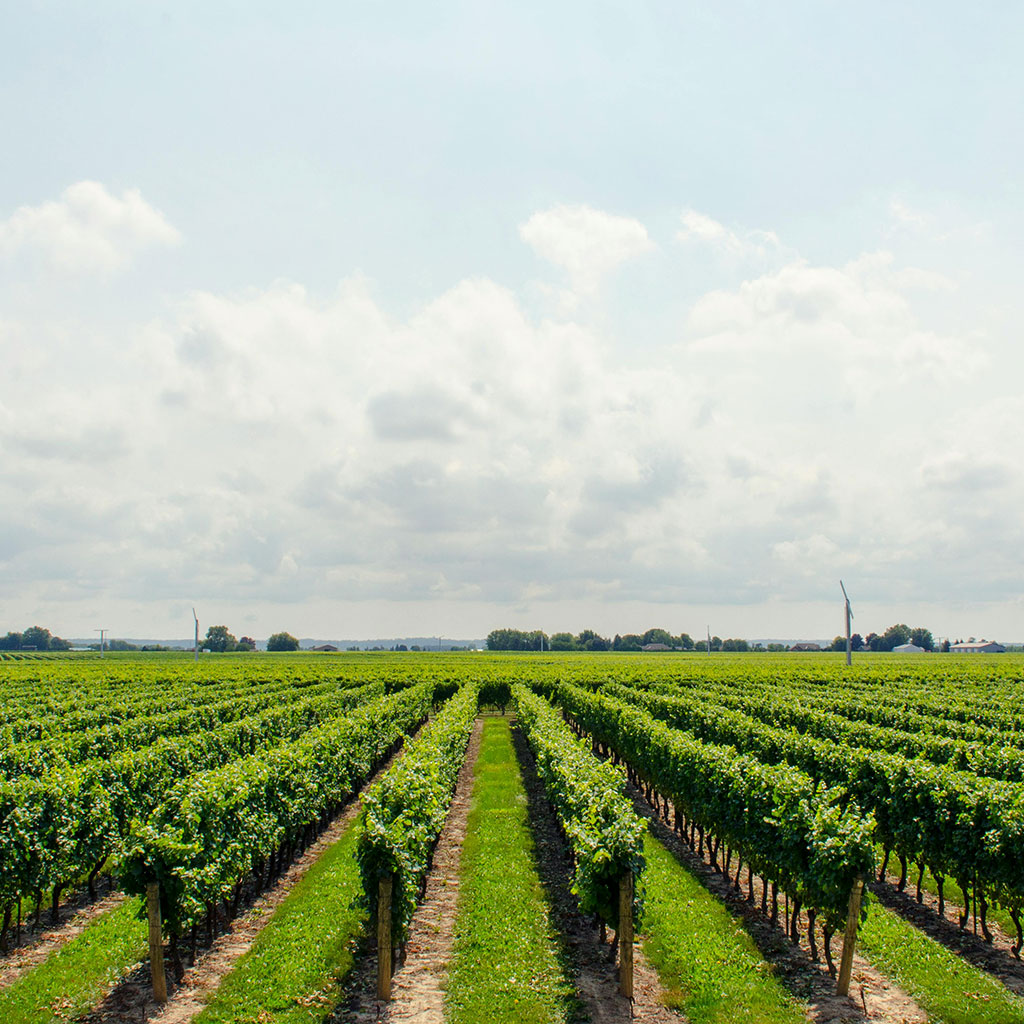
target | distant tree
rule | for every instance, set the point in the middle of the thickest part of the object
(507, 640)
(895, 635)
(37, 637)
(11, 642)
(58, 643)
(219, 640)
(733, 644)
(685, 641)
(563, 642)
(716, 643)
(856, 642)
(658, 636)
(246, 644)
(923, 638)
(400, 647)
(945, 646)
(873, 642)
(588, 640)
(838, 644)
(116, 645)
(629, 642)
(282, 642)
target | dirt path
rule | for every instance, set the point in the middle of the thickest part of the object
(130, 1002)
(38, 944)
(416, 987)
(996, 958)
(595, 977)
(873, 997)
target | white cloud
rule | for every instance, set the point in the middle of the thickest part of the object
(587, 243)
(858, 312)
(750, 246)
(275, 447)
(86, 230)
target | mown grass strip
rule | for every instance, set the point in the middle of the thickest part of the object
(947, 988)
(294, 970)
(506, 964)
(708, 965)
(79, 974)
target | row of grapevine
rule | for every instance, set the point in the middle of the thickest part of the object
(994, 760)
(38, 757)
(65, 824)
(216, 827)
(955, 823)
(588, 796)
(791, 831)
(404, 812)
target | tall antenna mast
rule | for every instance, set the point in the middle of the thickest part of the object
(101, 632)
(196, 648)
(849, 615)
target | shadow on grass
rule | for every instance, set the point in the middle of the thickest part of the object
(994, 960)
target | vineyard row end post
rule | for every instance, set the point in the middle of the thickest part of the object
(384, 937)
(626, 935)
(156, 942)
(850, 938)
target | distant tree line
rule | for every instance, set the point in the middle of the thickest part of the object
(894, 636)
(220, 640)
(35, 638)
(590, 640)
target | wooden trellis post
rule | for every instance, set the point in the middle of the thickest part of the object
(850, 938)
(626, 935)
(384, 937)
(156, 942)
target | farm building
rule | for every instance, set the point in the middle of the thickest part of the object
(908, 649)
(655, 647)
(806, 646)
(978, 647)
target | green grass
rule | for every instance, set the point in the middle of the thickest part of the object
(709, 966)
(506, 964)
(947, 988)
(953, 894)
(293, 972)
(80, 973)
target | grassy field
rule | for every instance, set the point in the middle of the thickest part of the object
(708, 964)
(293, 972)
(506, 965)
(79, 974)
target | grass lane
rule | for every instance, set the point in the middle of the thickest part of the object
(79, 974)
(293, 972)
(506, 963)
(946, 987)
(708, 965)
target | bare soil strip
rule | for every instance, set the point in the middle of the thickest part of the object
(417, 994)
(37, 943)
(131, 1002)
(995, 958)
(596, 979)
(873, 997)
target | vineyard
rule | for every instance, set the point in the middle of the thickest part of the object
(536, 837)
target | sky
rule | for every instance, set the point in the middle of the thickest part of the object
(361, 320)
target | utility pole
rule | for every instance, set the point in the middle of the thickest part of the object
(101, 632)
(709, 639)
(196, 647)
(849, 615)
